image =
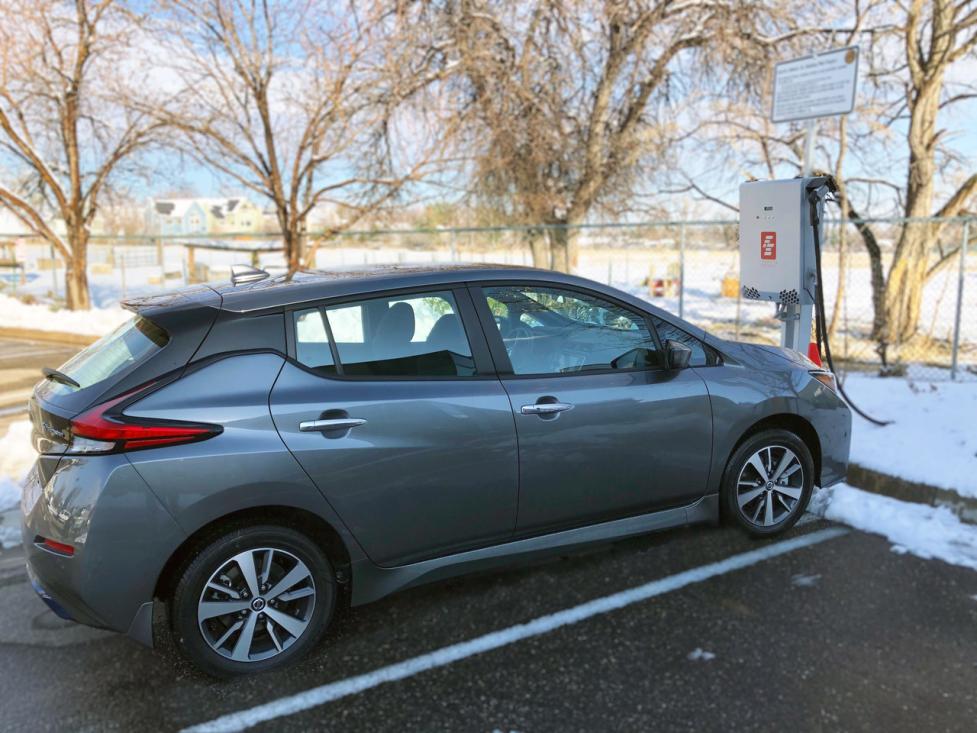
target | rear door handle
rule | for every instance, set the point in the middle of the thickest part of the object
(545, 408)
(342, 423)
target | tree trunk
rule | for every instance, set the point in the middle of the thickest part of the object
(540, 248)
(290, 239)
(878, 278)
(904, 289)
(76, 295)
(907, 276)
(560, 246)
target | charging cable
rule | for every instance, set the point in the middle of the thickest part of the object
(816, 196)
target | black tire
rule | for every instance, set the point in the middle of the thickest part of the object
(289, 546)
(752, 516)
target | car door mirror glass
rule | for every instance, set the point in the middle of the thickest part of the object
(640, 358)
(679, 354)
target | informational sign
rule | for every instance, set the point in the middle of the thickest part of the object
(815, 86)
(768, 245)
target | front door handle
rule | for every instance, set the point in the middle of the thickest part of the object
(545, 408)
(342, 423)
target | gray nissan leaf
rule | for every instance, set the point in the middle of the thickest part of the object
(255, 456)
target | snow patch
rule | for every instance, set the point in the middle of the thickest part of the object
(932, 533)
(804, 581)
(16, 458)
(9, 536)
(94, 322)
(931, 440)
(699, 654)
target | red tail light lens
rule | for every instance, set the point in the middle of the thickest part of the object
(57, 547)
(104, 429)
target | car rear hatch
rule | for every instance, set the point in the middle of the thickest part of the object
(158, 341)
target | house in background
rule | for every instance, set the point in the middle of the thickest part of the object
(195, 216)
(238, 215)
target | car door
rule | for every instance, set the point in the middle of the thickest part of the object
(605, 430)
(395, 413)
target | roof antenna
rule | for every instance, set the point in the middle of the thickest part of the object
(241, 274)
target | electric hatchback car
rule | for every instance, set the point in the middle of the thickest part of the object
(253, 455)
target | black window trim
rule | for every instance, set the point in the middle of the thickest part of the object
(716, 354)
(497, 347)
(484, 364)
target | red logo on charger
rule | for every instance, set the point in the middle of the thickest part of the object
(768, 245)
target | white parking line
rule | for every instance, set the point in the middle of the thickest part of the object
(449, 654)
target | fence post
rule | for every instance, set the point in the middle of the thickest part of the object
(161, 258)
(961, 276)
(122, 260)
(54, 273)
(681, 271)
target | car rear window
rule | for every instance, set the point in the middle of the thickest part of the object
(131, 343)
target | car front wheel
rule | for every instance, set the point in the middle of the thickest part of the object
(768, 482)
(253, 599)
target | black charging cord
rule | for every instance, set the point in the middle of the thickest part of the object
(814, 198)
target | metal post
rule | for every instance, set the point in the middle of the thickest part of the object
(54, 273)
(681, 272)
(810, 130)
(161, 258)
(961, 276)
(451, 244)
(123, 260)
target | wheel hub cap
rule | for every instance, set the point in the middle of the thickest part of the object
(770, 485)
(256, 604)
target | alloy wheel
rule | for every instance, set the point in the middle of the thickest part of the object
(770, 485)
(256, 604)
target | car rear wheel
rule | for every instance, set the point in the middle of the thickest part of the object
(768, 482)
(253, 599)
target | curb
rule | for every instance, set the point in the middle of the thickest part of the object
(34, 334)
(867, 479)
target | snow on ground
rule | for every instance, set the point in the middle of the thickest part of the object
(95, 322)
(933, 533)
(933, 436)
(16, 458)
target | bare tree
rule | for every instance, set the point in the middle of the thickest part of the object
(935, 35)
(65, 127)
(571, 103)
(298, 101)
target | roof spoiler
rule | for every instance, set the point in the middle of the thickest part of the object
(241, 274)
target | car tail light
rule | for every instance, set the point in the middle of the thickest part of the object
(105, 429)
(826, 378)
(54, 546)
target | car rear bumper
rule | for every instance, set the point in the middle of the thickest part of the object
(121, 537)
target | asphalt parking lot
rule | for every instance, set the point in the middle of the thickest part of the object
(20, 370)
(844, 634)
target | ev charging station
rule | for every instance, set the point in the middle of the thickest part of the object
(777, 254)
(780, 221)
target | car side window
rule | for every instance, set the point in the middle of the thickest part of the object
(556, 331)
(702, 355)
(415, 335)
(311, 341)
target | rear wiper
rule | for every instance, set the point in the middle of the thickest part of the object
(57, 376)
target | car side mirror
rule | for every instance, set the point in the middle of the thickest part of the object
(678, 354)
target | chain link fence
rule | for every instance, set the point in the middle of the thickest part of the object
(690, 268)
